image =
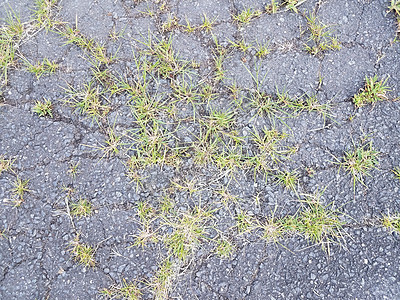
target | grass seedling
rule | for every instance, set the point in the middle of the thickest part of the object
(396, 172)
(373, 92)
(43, 109)
(320, 36)
(359, 162)
(395, 6)
(43, 13)
(272, 8)
(88, 101)
(189, 28)
(288, 179)
(20, 188)
(10, 35)
(319, 223)
(82, 253)
(161, 283)
(224, 248)
(6, 164)
(147, 215)
(241, 45)
(219, 69)
(126, 290)
(189, 230)
(207, 24)
(73, 169)
(391, 222)
(244, 222)
(170, 24)
(272, 229)
(82, 208)
(263, 50)
(246, 16)
(41, 67)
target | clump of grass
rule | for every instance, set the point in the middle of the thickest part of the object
(95, 49)
(207, 24)
(147, 215)
(360, 161)
(6, 164)
(263, 49)
(44, 13)
(244, 17)
(374, 91)
(321, 37)
(10, 35)
(320, 223)
(273, 7)
(241, 45)
(391, 222)
(395, 6)
(244, 222)
(89, 100)
(126, 290)
(42, 67)
(170, 23)
(19, 190)
(73, 169)
(189, 229)
(43, 109)
(224, 248)
(288, 179)
(162, 281)
(81, 208)
(82, 253)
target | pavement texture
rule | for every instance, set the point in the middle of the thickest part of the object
(36, 260)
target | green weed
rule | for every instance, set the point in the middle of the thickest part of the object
(373, 92)
(126, 290)
(244, 17)
(82, 253)
(391, 222)
(43, 109)
(81, 208)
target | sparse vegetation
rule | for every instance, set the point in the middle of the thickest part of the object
(391, 222)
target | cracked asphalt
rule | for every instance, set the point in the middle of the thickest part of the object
(35, 262)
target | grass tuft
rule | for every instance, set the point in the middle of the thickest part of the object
(82, 253)
(374, 91)
(43, 109)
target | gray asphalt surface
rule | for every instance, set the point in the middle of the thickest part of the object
(34, 259)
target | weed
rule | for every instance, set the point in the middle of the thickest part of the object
(43, 13)
(126, 290)
(273, 229)
(6, 164)
(73, 169)
(42, 67)
(246, 16)
(359, 162)
(263, 50)
(189, 229)
(82, 253)
(272, 8)
(147, 215)
(241, 45)
(207, 24)
(391, 222)
(321, 224)
(396, 171)
(162, 281)
(320, 36)
(170, 23)
(82, 208)
(20, 188)
(244, 222)
(189, 28)
(395, 6)
(88, 101)
(224, 248)
(288, 179)
(373, 92)
(43, 109)
(10, 35)
(219, 69)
